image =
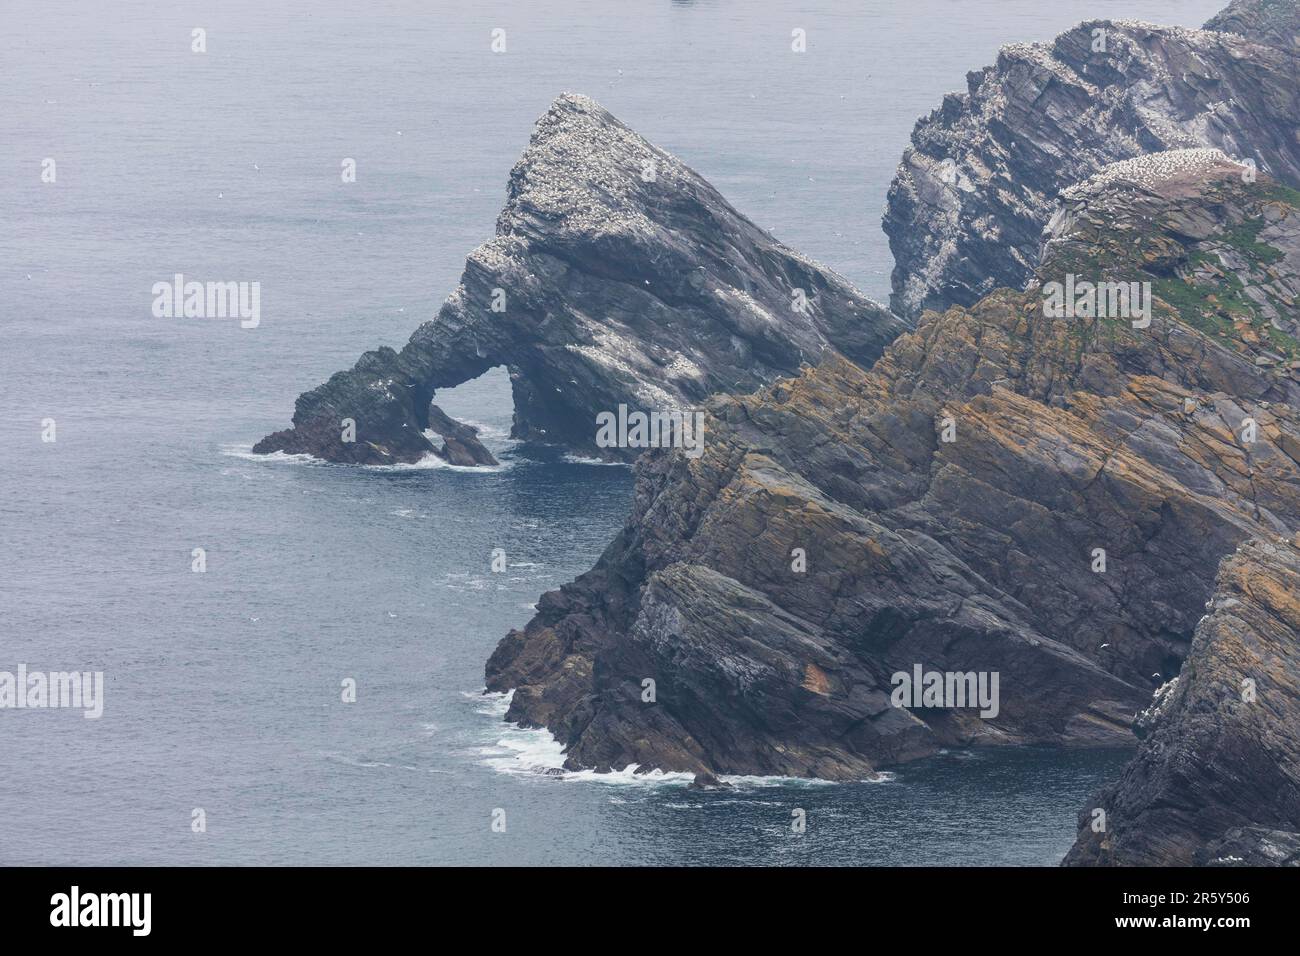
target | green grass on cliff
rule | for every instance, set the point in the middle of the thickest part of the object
(1245, 238)
(1211, 304)
(1280, 193)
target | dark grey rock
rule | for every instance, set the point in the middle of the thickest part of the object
(1267, 21)
(966, 556)
(981, 177)
(1252, 846)
(622, 278)
(460, 441)
(1216, 780)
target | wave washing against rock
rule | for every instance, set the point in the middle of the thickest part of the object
(975, 555)
(429, 462)
(531, 751)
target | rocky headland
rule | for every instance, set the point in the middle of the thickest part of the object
(1090, 438)
(1216, 780)
(617, 276)
(946, 508)
(1084, 434)
(981, 178)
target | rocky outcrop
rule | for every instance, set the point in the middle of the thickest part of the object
(1005, 492)
(1267, 21)
(980, 180)
(617, 276)
(460, 444)
(1252, 846)
(1225, 253)
(1216, 780)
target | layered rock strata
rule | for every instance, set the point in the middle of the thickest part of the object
(1006, 491)
(617, 276)
(1216, 780)
(980, 180)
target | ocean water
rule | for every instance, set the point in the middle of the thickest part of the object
(223, 689)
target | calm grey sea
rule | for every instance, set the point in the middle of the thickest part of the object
(223, 688)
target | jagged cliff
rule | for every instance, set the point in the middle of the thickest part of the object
(975, 554)
(1216, 780)
(980, 180)
(1006, 489)
(617, 276)
(1268, 21)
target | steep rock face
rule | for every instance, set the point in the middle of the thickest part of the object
(617, 276)
(1223, 251)
(1252, 846)
(1217, 778)
(1268, 21)
(971, 555)
(980, 179)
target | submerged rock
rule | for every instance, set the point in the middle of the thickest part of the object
(1042, 498)
(1216, 780)
(980, 179)
(617, 276)
(707, 781)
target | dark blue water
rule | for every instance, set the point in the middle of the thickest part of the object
(223, 688)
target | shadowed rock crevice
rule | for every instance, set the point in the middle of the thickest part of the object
(617, 276)
(1216, 780)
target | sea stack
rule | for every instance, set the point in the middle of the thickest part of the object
(617, 276)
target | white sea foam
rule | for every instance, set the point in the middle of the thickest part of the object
(582, 460)
(429, 462)
(529, 751)
(246, 452)
(459, 581)
(491, 433)
(361, 764)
